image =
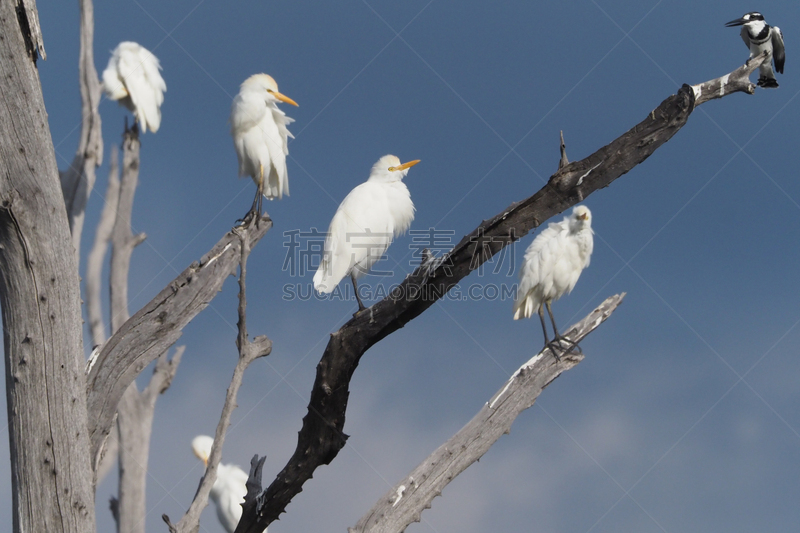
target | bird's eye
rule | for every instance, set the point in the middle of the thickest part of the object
(392, 169)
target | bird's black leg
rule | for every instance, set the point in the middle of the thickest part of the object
(358, 298)
(558, 337)
(255, 211)
(544, 330)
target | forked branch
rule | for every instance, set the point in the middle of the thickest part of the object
(249, 351)
(157, 326)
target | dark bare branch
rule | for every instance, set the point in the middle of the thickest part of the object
(405, 502)
(254, 478)
(563, 161)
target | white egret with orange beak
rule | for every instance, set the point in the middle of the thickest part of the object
(229, 488)
(366, 222)
(260, 136)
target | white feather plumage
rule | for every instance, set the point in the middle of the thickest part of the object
(260, 134)
(366, 222)
(229, 488)
(554, 261)
(132, 78)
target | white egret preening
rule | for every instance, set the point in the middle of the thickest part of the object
(552, 265)
(366, 222)
(261, 137)
(229, 488)
(132, 78)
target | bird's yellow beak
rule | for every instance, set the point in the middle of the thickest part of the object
(203, 457)
(405, 165)
(584, 216)
(284, 98)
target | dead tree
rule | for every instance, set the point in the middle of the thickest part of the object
(60, 416)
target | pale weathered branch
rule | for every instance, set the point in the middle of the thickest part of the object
(157, 326)
(322, 436)
(736, 81)
(51, 476)
(122, 239)
(135, 425)
(78, 180)
(405, 501)
(248, 352)
(94, 264)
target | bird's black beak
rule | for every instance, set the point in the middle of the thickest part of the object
(737, 22)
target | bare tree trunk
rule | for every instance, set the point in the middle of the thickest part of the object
(52, 481)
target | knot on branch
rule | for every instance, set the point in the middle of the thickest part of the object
(261, 346)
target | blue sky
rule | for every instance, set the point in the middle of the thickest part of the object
(684, 415)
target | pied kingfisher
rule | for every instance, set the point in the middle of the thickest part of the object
(760, 36)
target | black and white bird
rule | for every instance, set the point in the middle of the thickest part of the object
(760, 36)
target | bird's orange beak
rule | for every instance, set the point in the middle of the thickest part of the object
(284, 98)
(407, 165)
(583, 216)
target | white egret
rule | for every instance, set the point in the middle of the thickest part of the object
(229, 488)
(132, 77)
(260, 136)
(552, 265)
(366, 222)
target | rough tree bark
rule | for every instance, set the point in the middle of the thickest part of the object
(404, 502)
(322, 437)
(52, 482)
